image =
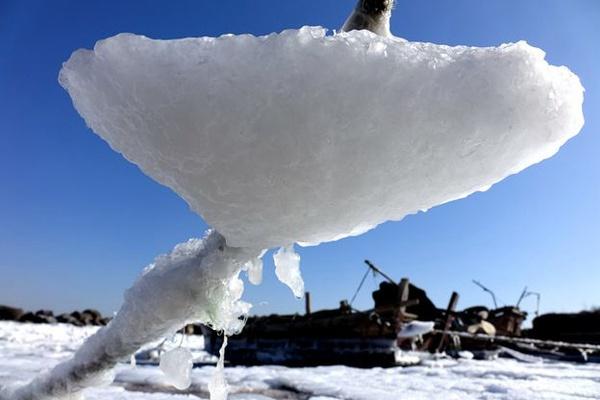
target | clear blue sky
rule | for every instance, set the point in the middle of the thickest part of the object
(78, 222)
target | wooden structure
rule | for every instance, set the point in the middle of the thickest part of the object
(367, 338)
(339, 336)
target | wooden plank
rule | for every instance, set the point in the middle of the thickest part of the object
(403, 288)
(449, 318)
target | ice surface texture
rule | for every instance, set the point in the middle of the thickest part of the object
(303, 137)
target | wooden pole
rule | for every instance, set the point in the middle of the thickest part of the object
(449, 318)
(307, 303)
(402, 299)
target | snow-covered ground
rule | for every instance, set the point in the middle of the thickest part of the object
(28, 349)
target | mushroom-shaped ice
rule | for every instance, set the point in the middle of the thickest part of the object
(304, 137)
(297, 137)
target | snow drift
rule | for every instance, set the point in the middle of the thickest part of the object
(303, 137)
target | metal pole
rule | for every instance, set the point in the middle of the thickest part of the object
(374, 268)
(487, 290)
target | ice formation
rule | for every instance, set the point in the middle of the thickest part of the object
(287, 269)
(217, 386)
(177, 365)
(197, 281)
(254, 268)
(298, 137)
(301, 137)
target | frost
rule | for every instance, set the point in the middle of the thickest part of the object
(287, 269)
(177, 365)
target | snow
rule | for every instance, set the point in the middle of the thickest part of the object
(416, 328)
(466, 354)
(177, 364)
(303, 137)
(374, 21)
(28, 349)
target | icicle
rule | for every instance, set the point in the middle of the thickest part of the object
(254, 269)
(287, 269)
(217, 386)
(177, 365)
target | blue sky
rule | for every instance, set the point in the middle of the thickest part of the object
(78, 222)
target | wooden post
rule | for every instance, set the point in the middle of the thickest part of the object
(307, 302)
(449, 319)
(403, 288)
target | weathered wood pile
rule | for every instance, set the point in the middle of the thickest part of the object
(88, 317)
